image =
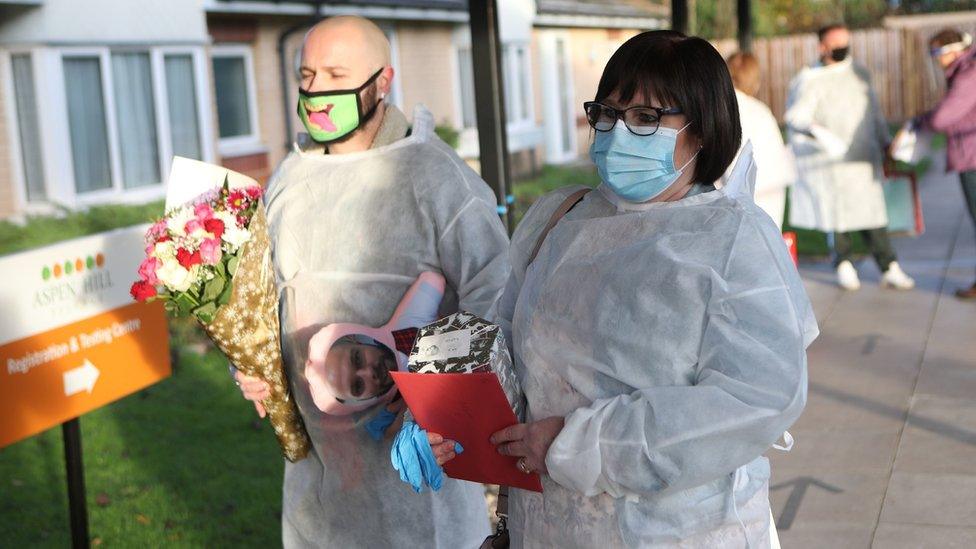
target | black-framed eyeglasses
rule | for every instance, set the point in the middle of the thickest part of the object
(640, 120)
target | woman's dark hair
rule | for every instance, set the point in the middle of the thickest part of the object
(686, 72)
(944, 37)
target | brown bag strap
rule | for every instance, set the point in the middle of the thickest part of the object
(568, 204)
(501, 505)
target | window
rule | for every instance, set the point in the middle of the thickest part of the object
(182, 103)
(523, 133)
(236, 103)
(129, 111)
(466, 80)
(135, 115)
(517, 81)
(565, 92)
(86, 123)
(516, 78)
(28, 126)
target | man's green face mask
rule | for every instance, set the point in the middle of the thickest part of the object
(331, 115)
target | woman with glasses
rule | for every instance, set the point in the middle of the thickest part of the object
(658, 326)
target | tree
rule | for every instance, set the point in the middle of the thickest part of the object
(717, 18)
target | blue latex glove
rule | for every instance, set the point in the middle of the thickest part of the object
(379, 424)
(413, 457)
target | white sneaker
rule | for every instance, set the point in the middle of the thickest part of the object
(896, 278)
(847, 276)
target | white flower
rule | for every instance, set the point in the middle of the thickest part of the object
(229, 219)
(165, 251)
(176, 222)
(175, 277)
(236, 237)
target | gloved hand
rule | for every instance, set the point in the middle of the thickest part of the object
(413, 456)
(379, 424)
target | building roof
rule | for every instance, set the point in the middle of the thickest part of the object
(422, 4)
(603, 8)
(599, 8)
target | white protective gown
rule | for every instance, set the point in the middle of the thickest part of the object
(775, 167)
(672, 337)
(840, 167)
(350, 233)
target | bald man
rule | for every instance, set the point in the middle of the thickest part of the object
(365, 203)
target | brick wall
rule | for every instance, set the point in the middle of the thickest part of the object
(427, 69)
(267, 76)
(590, 49)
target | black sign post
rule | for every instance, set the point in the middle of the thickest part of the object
(77, 506)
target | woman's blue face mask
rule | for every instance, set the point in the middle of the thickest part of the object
(637, 168)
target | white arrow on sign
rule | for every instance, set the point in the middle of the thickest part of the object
(80, 379)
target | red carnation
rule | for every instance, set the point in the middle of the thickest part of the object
(142, 290)
(214, 226)
(186, 259)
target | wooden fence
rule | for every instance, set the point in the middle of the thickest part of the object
(904, 77)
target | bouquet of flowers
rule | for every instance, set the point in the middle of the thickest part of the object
(210, 257)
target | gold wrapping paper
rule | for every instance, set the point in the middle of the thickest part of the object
(246, 331)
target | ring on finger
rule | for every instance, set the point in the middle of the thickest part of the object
(523, 466)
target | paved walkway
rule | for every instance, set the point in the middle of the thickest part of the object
(885, 452)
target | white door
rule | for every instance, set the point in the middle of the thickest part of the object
(559, 95)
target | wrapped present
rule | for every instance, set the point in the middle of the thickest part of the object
(463, 343)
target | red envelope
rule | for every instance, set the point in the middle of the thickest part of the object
(467, 408)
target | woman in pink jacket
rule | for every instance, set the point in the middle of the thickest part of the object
(955, 115)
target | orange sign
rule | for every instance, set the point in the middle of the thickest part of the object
(69, 371)
(71, 339)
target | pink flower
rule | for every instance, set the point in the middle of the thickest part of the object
(157, 230)
(203, 211)
(147, 270)
(193, 225)
(254, 192)
(210, 251)
(237, 201)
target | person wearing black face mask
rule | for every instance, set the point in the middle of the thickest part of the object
(839, 137)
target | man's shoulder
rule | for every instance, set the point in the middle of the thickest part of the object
(278, 179)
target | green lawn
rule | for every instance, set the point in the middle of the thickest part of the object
(184, 463)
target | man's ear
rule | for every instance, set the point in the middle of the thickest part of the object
(385, 81)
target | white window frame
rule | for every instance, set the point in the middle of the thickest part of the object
(21, 202)
(521, 83)
(56, 152)
(523, 132)
(468, 146)
(554, 116)
(201, 92)
(244, 144)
